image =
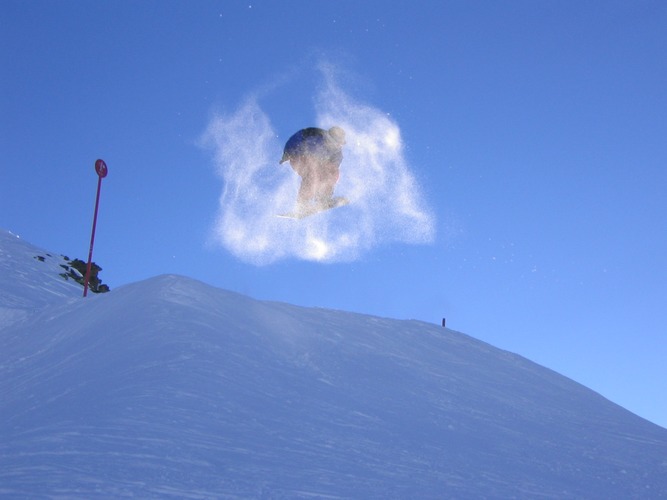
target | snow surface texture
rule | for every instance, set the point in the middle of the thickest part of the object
(30, 279)
(386, 202)
(170, 388)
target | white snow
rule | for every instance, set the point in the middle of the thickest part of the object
(386, 204)
(29, 279)
(170, 388)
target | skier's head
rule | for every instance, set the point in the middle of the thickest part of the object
(337, 134)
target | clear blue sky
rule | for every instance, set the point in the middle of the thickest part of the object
(534, 131)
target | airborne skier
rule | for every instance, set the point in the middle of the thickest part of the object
(316, 154)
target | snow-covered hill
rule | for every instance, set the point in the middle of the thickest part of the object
(170, 388)
(30, 278)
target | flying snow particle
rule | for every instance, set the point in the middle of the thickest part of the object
(386, 204)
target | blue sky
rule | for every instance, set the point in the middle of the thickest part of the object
(533, 134)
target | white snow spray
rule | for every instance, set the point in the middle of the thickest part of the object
(386, 204)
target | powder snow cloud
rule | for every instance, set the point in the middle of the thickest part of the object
(386, 204)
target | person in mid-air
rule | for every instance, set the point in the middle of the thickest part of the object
(316, 154)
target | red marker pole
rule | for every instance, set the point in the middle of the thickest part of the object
(101, 169)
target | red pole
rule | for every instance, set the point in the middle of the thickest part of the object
(101, 169)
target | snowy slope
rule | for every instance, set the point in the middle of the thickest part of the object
(29, 279)
(171, 388)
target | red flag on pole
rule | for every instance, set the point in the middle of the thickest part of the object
(101, 169)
